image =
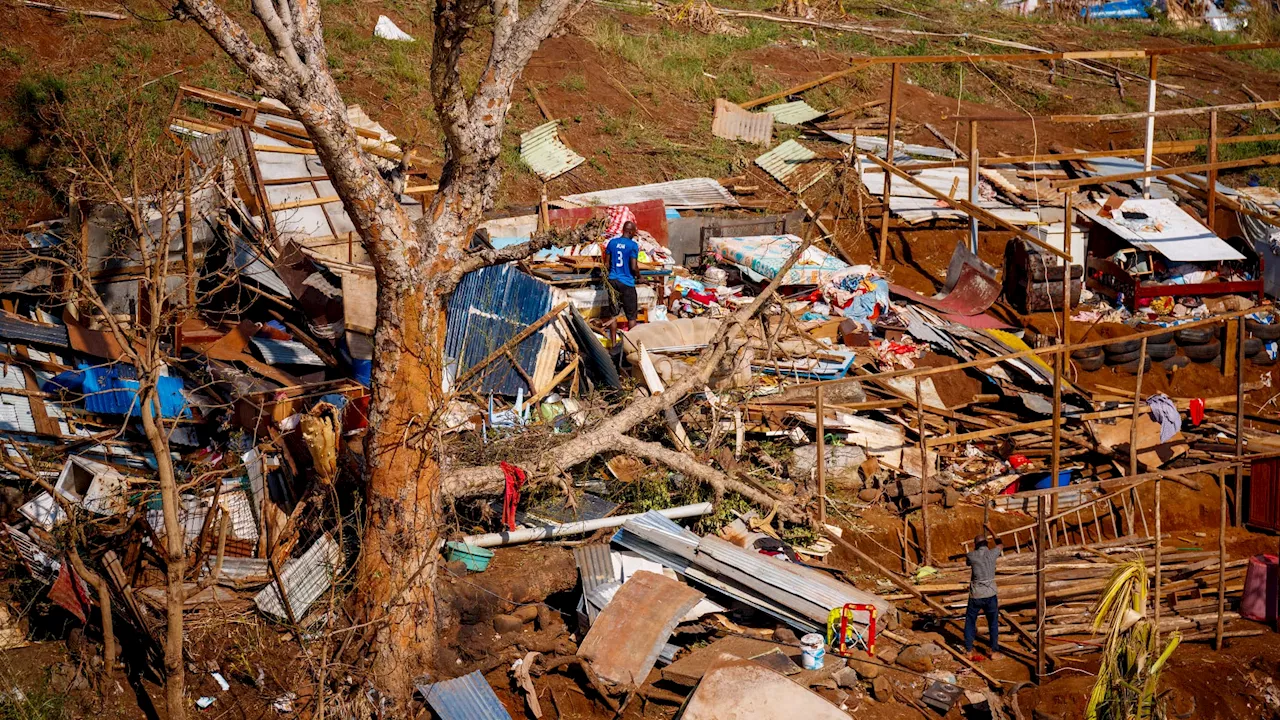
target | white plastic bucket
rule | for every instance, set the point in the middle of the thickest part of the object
(812, 651)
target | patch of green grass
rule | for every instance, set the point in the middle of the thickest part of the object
(33, 704)
(12, 56)
(574, 83)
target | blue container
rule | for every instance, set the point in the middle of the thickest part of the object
(1064, 479)
(475, 558)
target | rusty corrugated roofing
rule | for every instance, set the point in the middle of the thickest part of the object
(733, 123)
(543, 151)
(794, 165)
(793, 113)
(623, 644)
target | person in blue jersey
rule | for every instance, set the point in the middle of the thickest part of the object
(623, 253)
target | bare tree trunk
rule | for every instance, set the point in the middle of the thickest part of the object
(175, 553)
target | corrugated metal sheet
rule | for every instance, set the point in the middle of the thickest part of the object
(690, 193)
(465, 698)
(20, 329)
(805, 590)
(487, 309)
(43, 566)
(251, 266)
(793, 113)
(733, 123)
(304, 578)
(542, 150)
(623, 644)
(668, 544)
(794, 165)
(114, 391)
(286, 352)
(595, 568)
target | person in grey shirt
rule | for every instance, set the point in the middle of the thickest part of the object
(982, 591)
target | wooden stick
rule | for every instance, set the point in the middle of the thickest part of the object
(1165, 147)
(822, 456)
(802, 87)
(1240, 334)
(891, 135)
(973, 184)
(1211, 186)
(1042, 537)
(924, 477)
(1165, 113)
(1137, 406)
(188, 239)
(1151, 127)
(1222, 557)
(895, 578)
(76, 11)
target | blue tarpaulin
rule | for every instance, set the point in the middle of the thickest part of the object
(113, 390)
(1118, 10)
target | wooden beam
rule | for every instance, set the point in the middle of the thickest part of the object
(802, 87)
(1158, 172)
(890, 137)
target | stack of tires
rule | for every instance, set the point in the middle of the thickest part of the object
(1259, 334)
(1126, 356)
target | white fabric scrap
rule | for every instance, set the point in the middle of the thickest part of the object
(387, 30)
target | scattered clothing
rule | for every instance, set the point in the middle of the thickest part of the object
(1197, 411)
(515, 478)
(1165, 412)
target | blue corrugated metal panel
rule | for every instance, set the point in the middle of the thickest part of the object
(20, 329)
(114, 391)
(488, 308)
(465, 698)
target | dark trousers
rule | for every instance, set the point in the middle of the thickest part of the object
(991, 607)
(625, 298)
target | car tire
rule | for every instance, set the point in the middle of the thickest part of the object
(1162, 338)
(1263, 330)
(1175, 362)
(1162, 351)
(1090, 364)
(1194, 336)
(1263, 359)
(1207, 352)
(1121, 347)
(1252, 346)
(1086, 353)
(1131, 367)
(1122, 358)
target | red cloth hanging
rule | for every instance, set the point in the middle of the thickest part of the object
(1197, 411)
(70, 593)
(515, 478)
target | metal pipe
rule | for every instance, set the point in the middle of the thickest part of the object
(973, 185)
(577, 528)
(1151, 126)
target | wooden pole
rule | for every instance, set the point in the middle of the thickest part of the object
(1137, 406)
(822, 456)
(1222, 557)
(1042, 538)
(1211, 190)
(1151, 124)
(890, 136)
(188, 239)
(1240, 333)
(926, 550)
(973, 184)
(1159, 561)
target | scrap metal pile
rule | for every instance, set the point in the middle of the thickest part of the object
(267, 394)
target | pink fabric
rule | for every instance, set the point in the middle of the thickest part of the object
(619, 215)
(1261, 588)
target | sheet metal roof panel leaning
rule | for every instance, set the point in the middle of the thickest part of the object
(543, 151)
(286, 352)
(794, 165)
(686, 194)
(733, 123)
(1166, 229)
(623, 644)
(487, 309)
(305, 579)
(793, 113)
(464, 698)
(16, 327)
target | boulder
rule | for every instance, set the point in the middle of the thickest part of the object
(869, 495)
(847, 678)
(950, 497)
(882, 689)
(504, 624)
(916, 658)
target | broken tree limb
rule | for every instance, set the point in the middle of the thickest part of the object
(719, 482)
(75, 11)
(603, 437)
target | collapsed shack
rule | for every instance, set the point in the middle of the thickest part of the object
(850, 396)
